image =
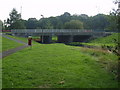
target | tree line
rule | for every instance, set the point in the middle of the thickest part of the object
(64, 21)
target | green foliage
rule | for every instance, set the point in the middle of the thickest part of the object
(1, 25)
(14, 16)
(15, 21)
(74, 24)
(113, 20)
(31, 23)
(19, 24)
(99, 21)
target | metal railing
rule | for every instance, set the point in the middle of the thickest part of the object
(49, 30)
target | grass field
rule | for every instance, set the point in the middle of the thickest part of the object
(9, 44)
(59, 66)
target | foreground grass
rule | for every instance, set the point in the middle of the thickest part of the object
(8, 44)
(56, 65)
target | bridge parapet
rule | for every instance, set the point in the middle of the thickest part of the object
(64, 35)
(38, 32)
(52, 31)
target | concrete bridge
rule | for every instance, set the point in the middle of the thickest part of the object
(64, 35)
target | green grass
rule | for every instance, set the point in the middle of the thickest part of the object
(22, 39)
(0, 43)
(108, 41)
(9, 44)
(54, 38)
(57, 66)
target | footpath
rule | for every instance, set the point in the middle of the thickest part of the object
(11, 51)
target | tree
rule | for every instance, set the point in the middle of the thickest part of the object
(15, 21)
(85, 19)
(99, 21)
(1, 25)
(19, 24)
(66, 17)
(31, 23)
(114, 18)
(74, 24)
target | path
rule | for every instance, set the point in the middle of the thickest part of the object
(14, 39)
(11, 51)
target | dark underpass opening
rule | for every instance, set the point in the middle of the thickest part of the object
(63, 39)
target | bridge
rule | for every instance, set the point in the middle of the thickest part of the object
(64, 35)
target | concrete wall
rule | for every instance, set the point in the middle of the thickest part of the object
(47, 39)
(80, 38)
(65, 38)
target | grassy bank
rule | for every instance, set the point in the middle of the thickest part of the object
(107, 41)
(57, 66)
(8, 44)
(22, 39)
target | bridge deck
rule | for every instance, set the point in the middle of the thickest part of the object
(57, 32)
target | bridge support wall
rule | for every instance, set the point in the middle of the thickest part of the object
(81, 38)
(65, 38)
(47, 39)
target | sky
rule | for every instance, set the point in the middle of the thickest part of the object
(47, 8)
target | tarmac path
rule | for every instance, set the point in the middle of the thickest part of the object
(11, 51)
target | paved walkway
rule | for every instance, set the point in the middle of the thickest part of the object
(11, 51)
(14, 39)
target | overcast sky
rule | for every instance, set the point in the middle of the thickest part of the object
(34, 8)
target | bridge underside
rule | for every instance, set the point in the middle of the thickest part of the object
(81, 38)
(47, 39)
(61, 38)
(64, 36)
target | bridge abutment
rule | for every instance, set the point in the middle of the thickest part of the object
(65, 38)
(46, 39)
(81, 38)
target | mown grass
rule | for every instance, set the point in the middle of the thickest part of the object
(56, 66)
(8, 44)
(22, 39)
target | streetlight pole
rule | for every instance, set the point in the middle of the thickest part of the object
(42, 29)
